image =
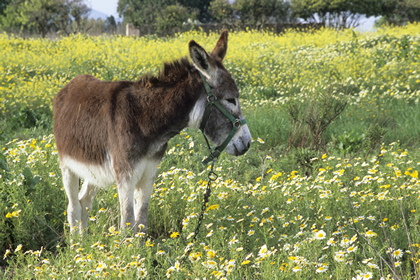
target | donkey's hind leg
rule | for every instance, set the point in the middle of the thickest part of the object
(86, 196)
(71, 186)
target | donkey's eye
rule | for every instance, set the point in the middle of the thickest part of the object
(231, 101)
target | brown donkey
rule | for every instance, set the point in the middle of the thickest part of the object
(117, 132)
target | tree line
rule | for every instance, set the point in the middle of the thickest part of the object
(62, 17)
(167, 16)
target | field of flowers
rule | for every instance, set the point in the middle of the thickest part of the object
(343, 208)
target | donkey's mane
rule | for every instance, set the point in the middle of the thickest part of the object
(171, 73)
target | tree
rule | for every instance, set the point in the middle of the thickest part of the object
(42, 16)
(257, 13)
(200, 5)
(3, 5)
(344, 13)
(222, 11)
(173, 18)
(110, 24)
(397, 12)
(162, 15)
(39, 15)
(150, 12)
(251, 13)
(9, 16)
(79, 13)
(334, 13)
(73, 17)
(141, 12)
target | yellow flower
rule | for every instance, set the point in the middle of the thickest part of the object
(260, 140)
(13, 214)
(283, 267)
(213, 207)
(6, 254)
(371, 233)
(321, 269)
(194, 256)
(18, 248)
(320, 234)
(398, 253)
(174, 234)
(211, 254)
(296, 269)
(101, 266)
(351, 249)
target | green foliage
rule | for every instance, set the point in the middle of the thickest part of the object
(222, 11)
(311, 118)
(30, 201)
(198, 5)
(162, 14)
(257, 13)
(349, 142)
(142, 12)
(397, 12)
(3, 5)
(344, 14)
(337, 14)
(174, 18)
(42, 16)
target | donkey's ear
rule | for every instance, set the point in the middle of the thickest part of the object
(220, 49)
(201, 59)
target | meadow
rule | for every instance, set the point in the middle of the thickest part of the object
(329, 189)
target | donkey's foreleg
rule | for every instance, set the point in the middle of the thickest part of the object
(86, 196)
(142, 194)
(71, 186)
(125, 196)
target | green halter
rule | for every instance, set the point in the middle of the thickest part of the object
(236, 123)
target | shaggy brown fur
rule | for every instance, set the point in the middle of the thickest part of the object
(92, 116)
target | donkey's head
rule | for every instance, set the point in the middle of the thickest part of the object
(220, 114)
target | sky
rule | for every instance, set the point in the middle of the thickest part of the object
(108, 7)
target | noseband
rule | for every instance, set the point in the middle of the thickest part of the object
(236, 123)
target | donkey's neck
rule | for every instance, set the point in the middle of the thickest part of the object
(168, 100)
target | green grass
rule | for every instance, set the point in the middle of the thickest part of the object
(288, 209)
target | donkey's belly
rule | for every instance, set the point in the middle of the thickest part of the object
(98, 175)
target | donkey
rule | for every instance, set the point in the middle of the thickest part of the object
(117, 132)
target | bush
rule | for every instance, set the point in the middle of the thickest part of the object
(175, 18)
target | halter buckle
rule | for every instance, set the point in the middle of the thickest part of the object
(211, 99)
(237, 123)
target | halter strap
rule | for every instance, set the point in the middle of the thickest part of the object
(236, 123)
